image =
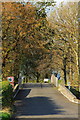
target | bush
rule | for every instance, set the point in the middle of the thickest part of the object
(7, 94)
(5, 116)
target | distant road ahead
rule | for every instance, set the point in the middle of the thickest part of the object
(37, 101)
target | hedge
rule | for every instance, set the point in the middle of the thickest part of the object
(5, 116)
(7, 94)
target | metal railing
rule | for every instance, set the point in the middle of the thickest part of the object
(17, 88)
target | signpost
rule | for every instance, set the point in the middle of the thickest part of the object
(11, 80)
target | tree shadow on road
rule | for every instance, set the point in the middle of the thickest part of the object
(46, 119)
(39, 105)
(36, 106)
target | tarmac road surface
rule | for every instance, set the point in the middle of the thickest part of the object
(43, 102)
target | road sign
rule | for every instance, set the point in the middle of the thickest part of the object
(11, 80)
(58, 76)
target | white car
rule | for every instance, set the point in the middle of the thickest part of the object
(46, 80)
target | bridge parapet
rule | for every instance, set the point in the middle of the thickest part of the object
(54, 80)
(68, 94)
(17, 87)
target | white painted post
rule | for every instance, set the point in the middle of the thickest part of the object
(56, 82)
(69, 83)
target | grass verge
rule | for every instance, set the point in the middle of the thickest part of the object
(5, 116)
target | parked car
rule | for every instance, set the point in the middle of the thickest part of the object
(46, 80)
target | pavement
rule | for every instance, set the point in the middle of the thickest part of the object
(43, 102)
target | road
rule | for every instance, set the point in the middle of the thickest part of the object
(36, 101)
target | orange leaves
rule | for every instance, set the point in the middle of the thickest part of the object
(23, 36)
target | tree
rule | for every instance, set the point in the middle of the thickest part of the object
(38, 49)
(64, 21)
(16, 23)
(26, 37)
(79, 41)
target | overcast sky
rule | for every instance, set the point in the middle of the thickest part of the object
(67, 0)
(59, 1)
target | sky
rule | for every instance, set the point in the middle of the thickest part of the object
(58, 1)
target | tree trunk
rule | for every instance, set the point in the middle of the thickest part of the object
(79, 44)
(64, 70)
(38, 75)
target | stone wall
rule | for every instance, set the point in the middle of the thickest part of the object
(54, 80)
(68, 94)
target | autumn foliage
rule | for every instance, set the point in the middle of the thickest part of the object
(24, 38)
(35, 44)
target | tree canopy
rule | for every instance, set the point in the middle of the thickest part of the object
(35, 44)
(25, 35)
(64, 22)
